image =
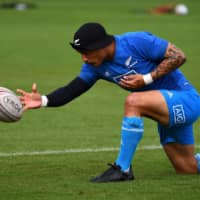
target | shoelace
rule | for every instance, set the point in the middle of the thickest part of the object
(114, 166)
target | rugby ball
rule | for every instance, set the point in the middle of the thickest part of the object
(11, 108)
(181, 9)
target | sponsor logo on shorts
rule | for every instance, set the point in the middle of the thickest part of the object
(179, 114)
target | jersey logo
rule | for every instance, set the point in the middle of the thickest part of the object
(170, 94)
(179, 114)
(118, 78)
(128, 62)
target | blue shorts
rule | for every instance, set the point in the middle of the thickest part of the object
(184, 110)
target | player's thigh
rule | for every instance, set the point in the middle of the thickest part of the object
(151, 104)
(183, 106)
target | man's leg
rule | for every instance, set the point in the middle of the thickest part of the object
(136, 105)
(131, 134)
(149, 104)
(178, 144)
(153, 104)
(182, 158)
(177, 138)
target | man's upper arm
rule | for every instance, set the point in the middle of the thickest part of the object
(173, 59)
(173, 52)
(149, 46)
(88, 74)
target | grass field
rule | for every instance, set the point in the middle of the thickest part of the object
(34, 48)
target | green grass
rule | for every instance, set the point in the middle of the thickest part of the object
(66, 177)
(34, 47)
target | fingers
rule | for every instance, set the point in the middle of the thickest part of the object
(34, 88)
(28, 100)
(20, 91)
(126, 78)
(25, 108)
(125, 85)
(125, 82)
(22, 100)
(130, 81)
(129, 77)
(26, 105)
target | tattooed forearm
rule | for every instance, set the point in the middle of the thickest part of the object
(174, 58)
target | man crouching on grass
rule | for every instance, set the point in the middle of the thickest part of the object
(147, 66)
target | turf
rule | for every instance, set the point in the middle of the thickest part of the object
(34, 47)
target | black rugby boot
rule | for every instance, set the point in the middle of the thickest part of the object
(114, 174)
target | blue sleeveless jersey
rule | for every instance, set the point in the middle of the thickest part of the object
(136, 53)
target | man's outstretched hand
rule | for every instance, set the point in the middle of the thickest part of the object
(30, 100)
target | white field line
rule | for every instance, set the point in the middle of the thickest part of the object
(68, 151)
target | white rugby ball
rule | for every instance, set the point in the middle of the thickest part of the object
(181, 9)
(10, 106)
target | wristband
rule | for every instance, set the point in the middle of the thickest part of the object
(147, 79)
(44, 100)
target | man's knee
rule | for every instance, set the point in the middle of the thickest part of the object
(132, 105)
(132, 100)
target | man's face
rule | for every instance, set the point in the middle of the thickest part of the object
(94, 58)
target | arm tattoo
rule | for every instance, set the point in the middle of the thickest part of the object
(174, 58)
